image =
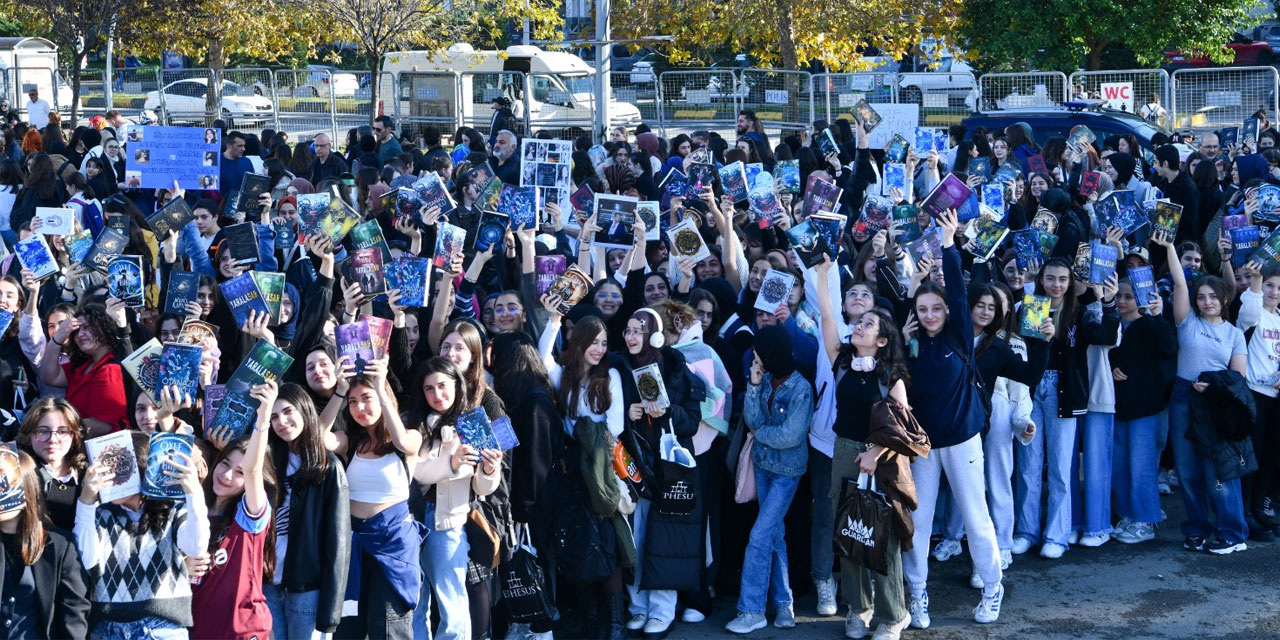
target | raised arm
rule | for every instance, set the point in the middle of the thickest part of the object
(830, 332)
(255, 491)
(406, 440)
(1181, 299)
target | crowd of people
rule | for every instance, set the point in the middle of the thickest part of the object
(353, 507)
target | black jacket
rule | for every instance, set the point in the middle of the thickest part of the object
(333, 167)
(1072, 347)
(61, 587)
(319, 551)
(1147, 355)
(1221, 420)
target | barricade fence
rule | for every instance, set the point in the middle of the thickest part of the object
(306, 102)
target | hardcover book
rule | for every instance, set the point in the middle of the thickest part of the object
(242, 296)
(733, 178)
(651, 387)
(1102, 262)
(1035, 310)
(35, 256)
(449, 244)
(787, 174)
(775, 290)
(179, 367)
(271, 288)
(368, 235)
(162, 452)
(124, 280)
(410, 275)
(173, 216)
(115, 453)
(242, 242)
(239, 409)
(366, 269)
(355, 343)
(1144, 284)
(490, 231)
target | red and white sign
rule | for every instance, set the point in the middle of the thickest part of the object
(1119, 95)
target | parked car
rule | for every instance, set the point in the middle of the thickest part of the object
(335, 83)
(1269, 32)
(186, 99)
(953, 80)
(1058, 121)
(1246, 52)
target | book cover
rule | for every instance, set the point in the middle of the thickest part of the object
(993, 196)
(213, 395)
(950, 193)
(366, 269)
(1249, 134)
(1228, 136)
(355, 342)
(161, 452)
(1167, 217)
(490, 231)
(1007, 172)
(6, 319)
(547, 269)
(1080, 268)
(35, 256)
(676, 185)
(504, 434)
(1033, 244)
(775, 290)
(408, 205)
(285, 235)
(1244, 241)
(924, 142)
(487, 199)
(650, 211)
(182, 290)
(787, 174)
(866, 116)
(13, 494)
(1036, 164)
(753, 171)
(119, 223)
(379, 333)
(584, 199)
(941, 141)
(368, 235)
(114, 452)
(821, 195)
(897, 149)
(928, 244)
(521, 206)
(1102, 262)
(339, 220)
(1045, 220)
(312, 208)
(1035, 310)
(239, 409)
(78, 245)
(143, 365)
(572, 287)
(430, 191)
(986, 235)
(180, 367)
(1089, 183)
(449, 244)
(686, 241)
(1268, 196)
(475, 430)
(1144, 284)
(410, 275)
(827, 143)
(242, 242)
(615, 216)
(764, 205)
(831, 227)
(124, 280)
(981, 167)
(242, 296)
(55, 221)
(173, 216)
(702, 176)
(1236, 220)
(969, 209)
(733, 179)
(598, 154)
(808, 244)
(874, 215)
(271, 288)
(1081, 140)
(651, 386)
(895, 177)
(197, 331)
(254, 185)
(906, 219)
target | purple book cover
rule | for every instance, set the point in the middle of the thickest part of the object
(951, 193)
(213, 395)
(355, 342)
(547, 269)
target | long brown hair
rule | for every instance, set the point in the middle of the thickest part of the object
(219, 523)
(155, 513)
(313, 457)
(31, 421)
(357, 433)
(474, 374)
(32, 536)
(573, 362)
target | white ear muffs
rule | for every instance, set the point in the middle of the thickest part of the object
(657, 338)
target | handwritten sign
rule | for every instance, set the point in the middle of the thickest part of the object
(158, 156)
(901, 119)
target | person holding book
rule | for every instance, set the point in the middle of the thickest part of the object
(92, 375)
(1178, 187)
(1260, 320)
(227, 599)
(51, 433)
(450, 475)
(134, 547)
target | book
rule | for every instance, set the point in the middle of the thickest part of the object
(1089, 183)
(969, 209)
(733, 179)
(1035, 310)
(583, 199)
(950, 193)
(1228, 136)
(180, 367)
(775, 291)
(1081, 140)
(213, 395)
(285, 234)
(379, 333)
(197, 331)
(941, 141)
(827, 143)
(651, 387)
(238, 409)
(449, 244)
(35, 256)
(13, 493)
(874, 215)
(928, 244)
(490, 231)
(986, 235)
(6, 319)
(1143, 282)
(764, 204)
(981, 167)
(650, 211)
(119, 223)
(821, 195)
(366, 269)
(124, 280)
(355, 343)
(831, 227)
(572, 287)
(254, 185)
(490, 194)
(895, 177)
(408, 205)
(1244, 241)
(430, 191)
(475, 430)
(55, 221)
(993, 196)
(312, 208)
(1102, 261)
(143, 365)
(808, 244)
(1036, 164)
(242, 242)
(271, 288)
(1033, 244)
(367, 235)
(521, 206)
(1236, 220)
(162, 451)
(753, 171)
(410, 275)
(242, 296)
(1249, 134)
(78, 245)
(172, 217)
(1007, 172)
(615, 216)
(182, 290)
(1167, 217)
(1118, 209)
(1045, 220)
(598, 154)
(686, 241)
(924, 142)
(1080, 268)
(1268, 196)
(676, 185)
(546, 269)
(897, 149)
(115, 453)
(906, 219)
(504, 434)
(340, 218)
(787, 174)
(864, 115)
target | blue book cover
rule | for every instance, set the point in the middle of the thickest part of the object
(968, 210)
(924, 142)
(449, 244)
(355, 342)
(241, 295)
(1144, 285)
(124, 279)
(521, 206)
(35, 256)
(993, 196)
(980, 166)
(787, 174)
(1102, 262)
(180, 367)
(733, 178)
(1032, 243)
(490, 231)
(752, 170)
(410, 275)
(239, 409)
(1244, 240)
(431, 191)
(6, 319)
(474, 429)
(504, 434)
(161, 453)
(895, 177)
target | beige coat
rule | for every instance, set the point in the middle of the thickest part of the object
(453, 488)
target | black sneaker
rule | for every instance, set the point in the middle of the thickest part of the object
(1220, 547)
(1193, 543)
(1259, 532)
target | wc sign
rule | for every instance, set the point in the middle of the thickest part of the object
(1118, 95)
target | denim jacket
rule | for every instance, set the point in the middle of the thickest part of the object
(781, 427)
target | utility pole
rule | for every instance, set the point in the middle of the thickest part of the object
(604, 69)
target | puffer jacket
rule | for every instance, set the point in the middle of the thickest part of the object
(1221, 419)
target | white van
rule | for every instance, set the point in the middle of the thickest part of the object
(560, 87)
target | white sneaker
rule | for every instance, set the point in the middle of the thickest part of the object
(1074, 538)
(517, 631)
(891, 631)
(692, 616)
(1052, 550)
(946, 550)
(1095, 541)
(657, 626)
(746, 623)
(988, 610)
(636, 622)
(1137, 532)
(545, 635)
(1021, 545)
(826, 597)
(1123, 525)
(784, 619)
(856, 625)
(919, 608)
(1006, 559)
(975, 580)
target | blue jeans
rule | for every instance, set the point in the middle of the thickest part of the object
(1134, 466)
(764, 569)
(1200, 487)
(1057, 442)
(444, 561)
(1091, 501)
(821, 551)
(293, 615)
(144, 629)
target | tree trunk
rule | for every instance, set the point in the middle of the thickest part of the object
(76, 61)
(786, 34)
(375, 84)
(217, 59)
(1095, 54)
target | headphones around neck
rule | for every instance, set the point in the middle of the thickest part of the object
(657, 339)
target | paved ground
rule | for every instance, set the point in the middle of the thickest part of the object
(1151, 590)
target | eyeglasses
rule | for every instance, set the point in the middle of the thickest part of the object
(609, 295)
(511, 309)
(378, 129)
(44, 433)
(859, 295)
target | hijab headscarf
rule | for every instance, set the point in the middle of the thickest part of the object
(1251, 166)
(1124, 165)
(303, 186)
(287, 330)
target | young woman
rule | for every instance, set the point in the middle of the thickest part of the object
(381, 454)
(47, 594)
(93, 376)
(147, 536)
(450, 474)
(227, 600)
(1140, 367)
(1258, 311)
(463, 345)
(51, 434)
(1060, 398)
(305, 591)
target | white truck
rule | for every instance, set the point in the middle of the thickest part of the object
(30, 62)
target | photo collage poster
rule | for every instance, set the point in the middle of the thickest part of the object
(547, 165)
(158, 156)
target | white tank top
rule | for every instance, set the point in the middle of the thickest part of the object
(382, 480)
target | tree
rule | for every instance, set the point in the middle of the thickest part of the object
(1065, 34)
(790, 33)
